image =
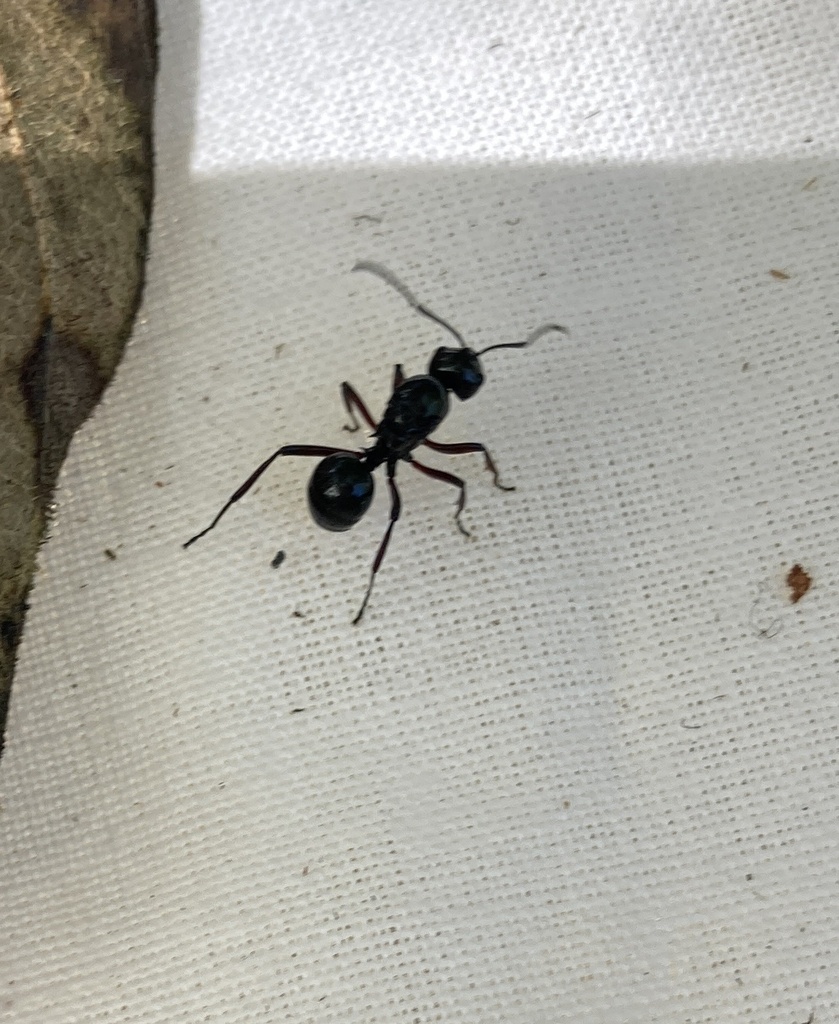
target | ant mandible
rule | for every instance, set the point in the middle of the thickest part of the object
(341, 487)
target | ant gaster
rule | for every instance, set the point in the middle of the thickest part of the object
(341, 487)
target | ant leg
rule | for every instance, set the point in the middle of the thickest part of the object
(447, 478)
(354, 402)
(464, 448)
(398, 375)
(407, 295)
(288, 449)
(395, 510)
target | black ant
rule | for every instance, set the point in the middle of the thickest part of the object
(341, 487)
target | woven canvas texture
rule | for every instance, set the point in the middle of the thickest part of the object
(579, 767)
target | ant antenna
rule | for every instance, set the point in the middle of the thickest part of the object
(533, 336)
(407, 295)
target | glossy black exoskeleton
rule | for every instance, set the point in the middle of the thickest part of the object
(341, 487)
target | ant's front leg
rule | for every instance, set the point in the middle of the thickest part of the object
(398, 375)
(353, 402)
(465, 448)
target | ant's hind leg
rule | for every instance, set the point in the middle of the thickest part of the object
(287, 449)
(395, 511)
(465, 448)
(447, 478)
(353, 403)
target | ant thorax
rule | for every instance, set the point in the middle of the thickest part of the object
(416, 408)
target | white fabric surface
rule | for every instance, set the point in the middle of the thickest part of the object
(581, 768)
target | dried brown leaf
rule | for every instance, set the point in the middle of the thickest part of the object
(76, 81)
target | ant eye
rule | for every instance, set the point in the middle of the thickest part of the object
(340, 492)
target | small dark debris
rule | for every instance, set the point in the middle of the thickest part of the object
(159, 483)
(278, 560)
(808, 186)
(495, 46)
(770, 631)
(305, 871)
(780, 275)
(206, 398)
(278, 349)
(745, 366)
(112, 555)
(684, 725)
(799, 582)
(811, 1018)
(749, 877)
(594, 113)
(298, 614)
(297, 711)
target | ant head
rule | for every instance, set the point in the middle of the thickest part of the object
(458, 370)
(340, 491)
